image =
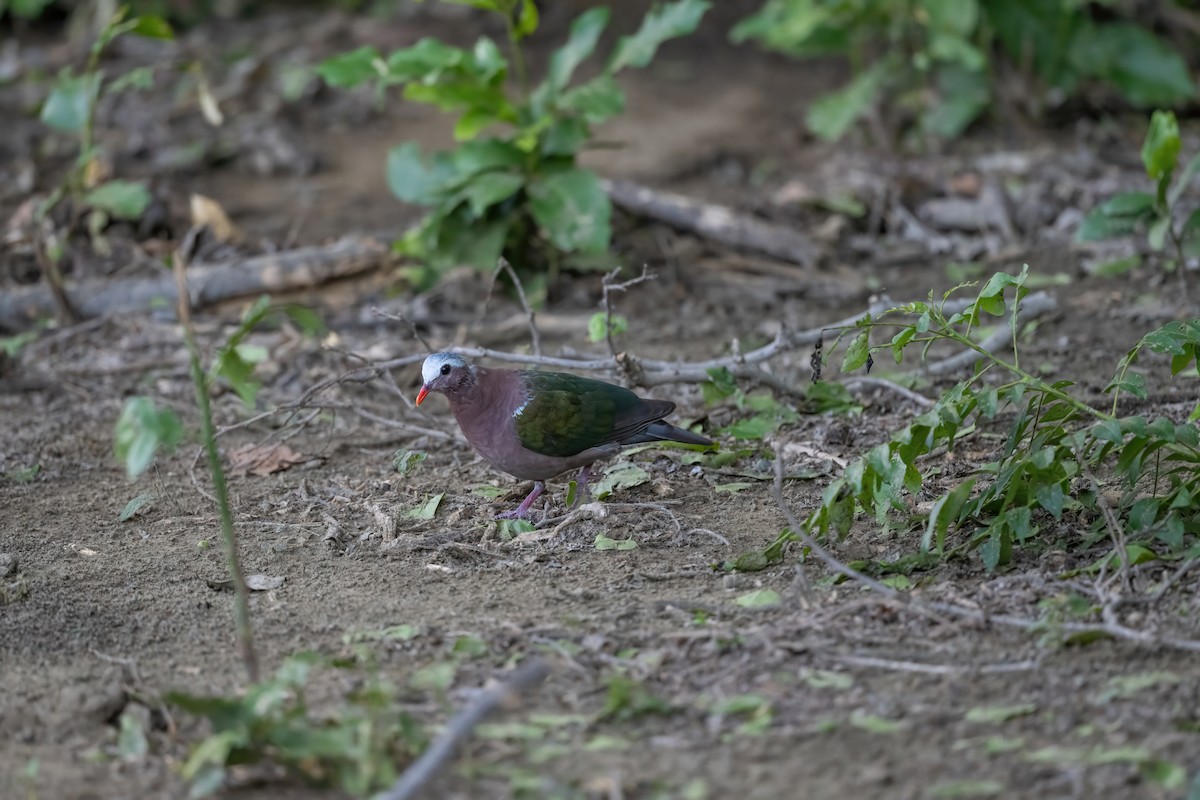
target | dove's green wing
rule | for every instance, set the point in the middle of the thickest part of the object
(566, 414)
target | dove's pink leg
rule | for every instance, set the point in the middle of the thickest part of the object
(522, 511)
(582, 493)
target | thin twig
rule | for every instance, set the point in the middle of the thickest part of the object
(412, 326)
(607, 287)
(933, 669)
(1115, 531)
(503, 265)
(797, 528)
(865, 382)
(777, 491)
(221, 489)
(426, 768)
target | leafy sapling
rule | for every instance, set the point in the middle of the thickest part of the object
(1157, 211)
(518, 191)
(935, 63)
(71, 108)
(1061, 458)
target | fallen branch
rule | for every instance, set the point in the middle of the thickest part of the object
(425, 768)
(207, 285)
(716, 222)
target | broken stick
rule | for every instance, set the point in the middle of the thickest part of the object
(276, 272)
(719, 223)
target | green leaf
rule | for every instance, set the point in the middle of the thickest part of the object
(831, 115)
(71, 101)
(1169, 775)
(152, 26)
(131, 739)
(1119, 215)
(996, 549)
(11, 345)
(135, 505)
(597, 100)
(826, 679)
(752, 428)
(121, 199)
(1000, 713)
(662, 23)
(489, 188)
(427, 61)
(485, 155)
(605, 543)
(1142, 67)
(137, 78)
(622, 475)
(944, 513)
(601, 324)
(426, 510)
(875, 724)
(309, 321)
(469, 647)
(352, 69)
(411, 178)
(963, 94)
(564, 137)
(759, 598)
(1160, 151)
(527, 22)
(857, 353)
(235, 361)
(509, 529)
(1120, 266)
(26, 9)
(141, 431)
(581, 43)
(404, 461)
(573, 208)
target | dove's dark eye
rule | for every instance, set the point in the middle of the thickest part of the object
(445, 369)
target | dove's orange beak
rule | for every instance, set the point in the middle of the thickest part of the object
(421, 395)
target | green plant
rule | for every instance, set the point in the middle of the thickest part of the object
(519, 192)
(143, 429)
(355, 749)
(24, 9)
(71, 107)
(1156, 211)
(937, 59)
(1062, 459)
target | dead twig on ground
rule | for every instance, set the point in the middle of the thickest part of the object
(865, 382)
(459, 729)
(207, 285)
(716, 222)
(933, 669)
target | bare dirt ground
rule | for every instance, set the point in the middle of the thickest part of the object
(853, 697)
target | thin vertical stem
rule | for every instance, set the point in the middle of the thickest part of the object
(208, 433)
